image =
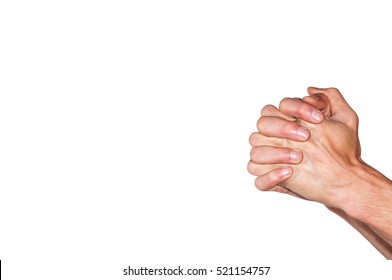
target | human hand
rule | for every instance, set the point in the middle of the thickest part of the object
(319, 167)
(320, 160)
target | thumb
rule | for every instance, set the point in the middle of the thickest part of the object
(320, 101)
(339, 108)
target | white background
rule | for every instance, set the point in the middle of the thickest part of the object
(124, 132)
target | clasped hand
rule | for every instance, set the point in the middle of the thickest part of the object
(309, 148)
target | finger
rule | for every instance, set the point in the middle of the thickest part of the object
(336, 99)
(300, 109)
(256, 139)
(275, 155)
(320, 101)
(339, 107)
(267, 181)
(272, 111)
(259, 169)
(262, 169)
(280, 128)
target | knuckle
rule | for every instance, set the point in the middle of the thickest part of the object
(289, 129)
(284, 155)
(271, 141)
(310, 98)
(354, 115)
(260, 184)
(253, 139)
(260, 124)
(332, 90)
(254, 154)
(305, 110)
(263, 183)
(283, 102)
(267, 110)
(354, 119)
(251, 168)
(275, 176)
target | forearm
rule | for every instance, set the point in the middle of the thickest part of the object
(378, 242)
(370, 201)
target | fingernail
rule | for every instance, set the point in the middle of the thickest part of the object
(295, 156)
(303, 133)
(315, 96)
(285, 171)
(317, 116)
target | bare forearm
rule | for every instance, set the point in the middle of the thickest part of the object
(378, 242)
(371, 202)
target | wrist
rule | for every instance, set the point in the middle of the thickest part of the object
(368, 196)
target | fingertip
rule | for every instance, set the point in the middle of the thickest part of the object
(296, 156)
(253, 139)
(320, 102)
(311, 99)
(313, 90)
(306, 109)
(317, 116)
(303, 133)
(285, 172)
(273, 178)
(269, 110)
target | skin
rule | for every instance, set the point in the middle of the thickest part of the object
(305, 145)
